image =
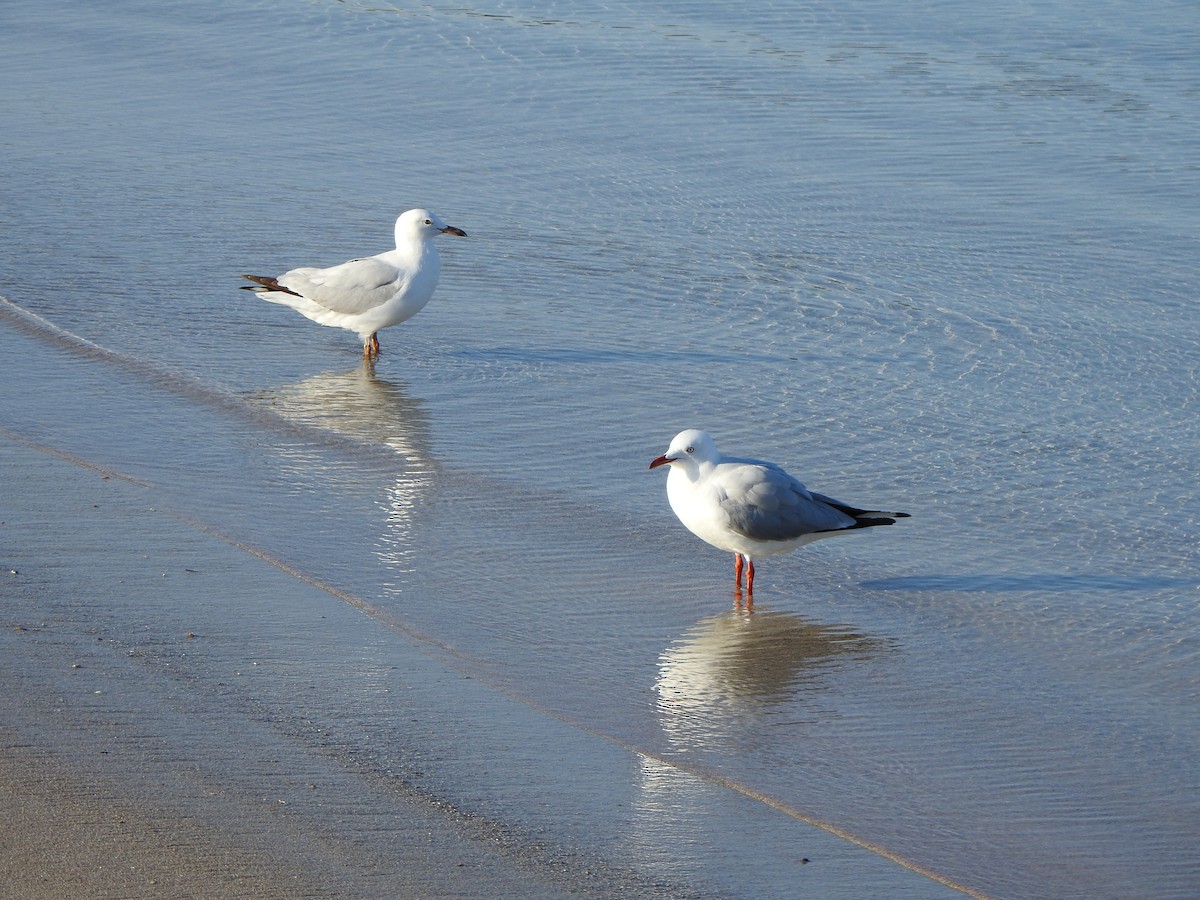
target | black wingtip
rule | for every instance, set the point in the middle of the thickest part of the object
(870, 520)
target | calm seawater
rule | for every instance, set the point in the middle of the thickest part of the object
(930, 257)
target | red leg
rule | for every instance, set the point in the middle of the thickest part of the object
(749, 578)
(737, 570)
(374, 345)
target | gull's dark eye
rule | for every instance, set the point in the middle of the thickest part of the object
(691, 450)
(429, 221)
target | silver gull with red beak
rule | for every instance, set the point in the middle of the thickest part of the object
(749, 507)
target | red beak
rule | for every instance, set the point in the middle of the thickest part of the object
(661, 461)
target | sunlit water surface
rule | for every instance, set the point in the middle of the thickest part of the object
(935, 258)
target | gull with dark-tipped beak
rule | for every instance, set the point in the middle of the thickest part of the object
(749, 507)
(367, 294)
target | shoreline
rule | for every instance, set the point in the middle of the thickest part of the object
(125, 776)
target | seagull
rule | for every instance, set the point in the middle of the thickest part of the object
(370, 293)
(750, 507)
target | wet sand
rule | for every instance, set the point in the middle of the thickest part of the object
(81, 833)
(123, 776)
(126, 826)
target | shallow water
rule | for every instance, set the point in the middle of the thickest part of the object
(937, 259)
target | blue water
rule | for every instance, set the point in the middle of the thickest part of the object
(939, 258)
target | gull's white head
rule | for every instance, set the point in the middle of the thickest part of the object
(690, 449)
(422, 223)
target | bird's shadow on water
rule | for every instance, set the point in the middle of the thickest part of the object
(1031, 582)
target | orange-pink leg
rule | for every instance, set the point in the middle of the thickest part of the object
(371, 347)
(743, 564)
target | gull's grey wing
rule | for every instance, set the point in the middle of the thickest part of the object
(353, 287)
(765, 503)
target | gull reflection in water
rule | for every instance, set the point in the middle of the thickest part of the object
(739, 685)
(733, 673)
(366, 414)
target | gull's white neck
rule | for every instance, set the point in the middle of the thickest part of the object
(692, 471)
(415, 252)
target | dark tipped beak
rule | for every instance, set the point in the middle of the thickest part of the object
(661, 461)
(450, 229)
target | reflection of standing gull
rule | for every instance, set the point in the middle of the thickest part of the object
(375, 414)
(731, 670)
(356, 405)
